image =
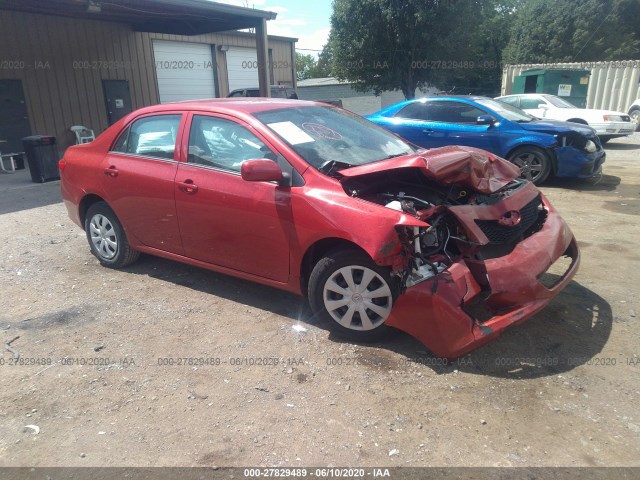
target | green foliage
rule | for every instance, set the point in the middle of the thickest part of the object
(546, 31)
(304, 65)
(390, 44)
(324, 65)
(461, 45)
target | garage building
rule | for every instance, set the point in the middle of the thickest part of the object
(83, 62)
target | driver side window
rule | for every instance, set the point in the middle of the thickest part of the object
(223, 144)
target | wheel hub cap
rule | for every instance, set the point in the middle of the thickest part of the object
(358, 298)
(103, 237)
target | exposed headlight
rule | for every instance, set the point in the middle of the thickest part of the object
(590, 147)
(612, 118)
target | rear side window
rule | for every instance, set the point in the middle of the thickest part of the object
(153, 136)
(513, 101)
(121, 144)
(527, 103)
(415, 111)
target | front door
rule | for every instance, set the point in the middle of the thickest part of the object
(117, 99)
(452, 122)
(225, 220)
(14, 122)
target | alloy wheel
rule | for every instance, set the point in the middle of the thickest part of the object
(531, 166)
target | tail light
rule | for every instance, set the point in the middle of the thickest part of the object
(61, 164)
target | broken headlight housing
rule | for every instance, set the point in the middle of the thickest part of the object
(590, 147)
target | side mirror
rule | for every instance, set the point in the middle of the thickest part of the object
(261, 170)
(485, 120)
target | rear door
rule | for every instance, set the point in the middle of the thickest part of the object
(138, 176)
(224, 220)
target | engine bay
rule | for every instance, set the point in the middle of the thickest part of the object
(430, 250)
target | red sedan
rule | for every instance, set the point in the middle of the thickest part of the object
(446, 244)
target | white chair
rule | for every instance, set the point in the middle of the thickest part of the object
(83, 134)
(12, 162)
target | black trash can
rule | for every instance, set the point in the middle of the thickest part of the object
(19, 162)
(42, 157)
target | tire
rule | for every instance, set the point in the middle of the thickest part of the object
(635, 117)
(534, 163)
(330, 281)
(106, 237)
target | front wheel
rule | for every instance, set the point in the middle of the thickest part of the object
(534, 163)
(352, 295)
(106, 237)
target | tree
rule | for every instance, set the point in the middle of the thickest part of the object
(389, 44)
(324, 65)
(547, 31)
(304, 65)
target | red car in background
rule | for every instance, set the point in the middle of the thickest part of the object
(320, 202)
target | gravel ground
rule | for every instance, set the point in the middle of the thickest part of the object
(101, 377)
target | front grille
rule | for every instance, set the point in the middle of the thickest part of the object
(532, 218)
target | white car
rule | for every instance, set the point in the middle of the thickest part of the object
(607, 123)
(634, 113)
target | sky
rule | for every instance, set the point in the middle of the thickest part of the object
(308, 22)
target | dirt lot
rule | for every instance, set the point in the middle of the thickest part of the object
(276, 389)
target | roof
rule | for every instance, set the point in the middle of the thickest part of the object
(321, 82)
(179, 17)
(271, 37)
(542, 71)
(231, 105)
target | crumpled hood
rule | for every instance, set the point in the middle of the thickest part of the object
(465, 166)
(557, 126)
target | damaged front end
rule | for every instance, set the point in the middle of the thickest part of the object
(471, 264)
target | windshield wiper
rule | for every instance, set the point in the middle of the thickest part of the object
(396, 155)
(329, 166)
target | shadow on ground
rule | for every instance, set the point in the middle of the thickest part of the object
(18, 192)
(569, 332)
(608, 183)
(612, 145)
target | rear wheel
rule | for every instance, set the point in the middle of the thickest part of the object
(534, 163)
(352, 295)
(106, 237)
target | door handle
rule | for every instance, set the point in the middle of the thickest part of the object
(428, 131)
(188, 186)
(112, 171)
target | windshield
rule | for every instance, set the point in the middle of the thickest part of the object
(558, 102)
(507, 111)
(330, 139)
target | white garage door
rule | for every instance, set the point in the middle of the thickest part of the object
(242, 67)
(184, 70)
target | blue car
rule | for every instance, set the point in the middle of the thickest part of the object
(539, 147)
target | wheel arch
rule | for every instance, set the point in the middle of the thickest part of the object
(578, 120)
(547, 150)
(85, 204)
(318, 250)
